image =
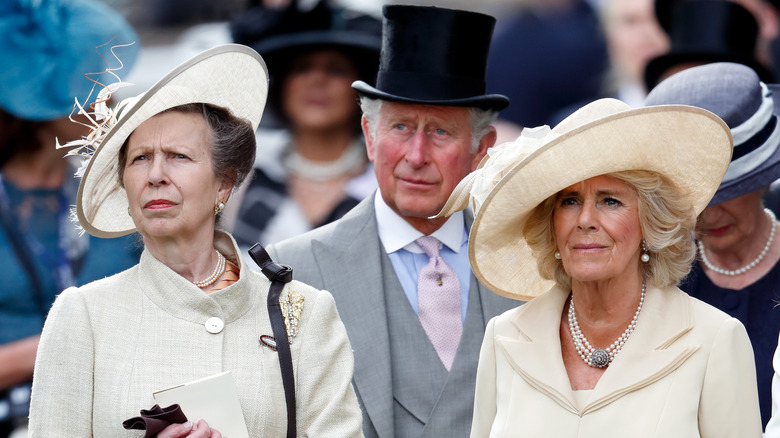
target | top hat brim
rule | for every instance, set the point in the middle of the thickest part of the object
(494, 102)
(659, 65)
(763, 175)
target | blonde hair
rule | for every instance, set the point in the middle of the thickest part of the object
(666, 218)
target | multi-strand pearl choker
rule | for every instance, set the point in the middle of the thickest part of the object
(599, 357)
(750, 265)
(218, 271)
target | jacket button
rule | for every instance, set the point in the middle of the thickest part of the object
(214, 325)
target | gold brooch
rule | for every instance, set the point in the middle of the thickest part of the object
(292, 306)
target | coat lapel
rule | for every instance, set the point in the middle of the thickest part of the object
(653, 351)
(361, 305)
(534, 350)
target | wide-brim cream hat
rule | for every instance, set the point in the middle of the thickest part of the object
(231, 76)
(690, 146)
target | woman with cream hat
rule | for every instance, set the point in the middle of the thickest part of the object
(191, 309)
(591, 223)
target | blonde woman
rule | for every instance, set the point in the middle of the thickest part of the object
(591, 222)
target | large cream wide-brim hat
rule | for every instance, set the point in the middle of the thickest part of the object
(690, 146)
(230, 76)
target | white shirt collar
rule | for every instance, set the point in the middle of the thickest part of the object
(395, 233)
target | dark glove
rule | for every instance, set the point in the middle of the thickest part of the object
(156, 419)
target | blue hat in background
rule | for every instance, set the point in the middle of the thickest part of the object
(748, 106)
(46, 48)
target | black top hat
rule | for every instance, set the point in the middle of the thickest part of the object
(705, 31)
(434, 56)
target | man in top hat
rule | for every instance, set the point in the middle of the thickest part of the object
(414, 312)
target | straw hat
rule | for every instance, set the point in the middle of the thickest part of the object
(688, 145)
(231, 76)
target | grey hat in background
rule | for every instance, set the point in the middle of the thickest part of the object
(748, 106)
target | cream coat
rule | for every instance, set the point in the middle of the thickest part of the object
(108, 345)
(686, 371)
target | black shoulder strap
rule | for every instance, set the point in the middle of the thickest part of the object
(279, 275)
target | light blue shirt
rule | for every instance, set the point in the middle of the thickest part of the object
(398, 239)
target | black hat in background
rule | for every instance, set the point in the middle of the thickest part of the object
(434, 56)
(705, 31)
(279, 35)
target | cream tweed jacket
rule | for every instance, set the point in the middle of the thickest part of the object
(108, 345)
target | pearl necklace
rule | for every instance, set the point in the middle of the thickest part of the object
(750, 265)
(354, 157)
(218, 271)
(599, 357)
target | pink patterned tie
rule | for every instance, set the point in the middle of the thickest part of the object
(438, 296)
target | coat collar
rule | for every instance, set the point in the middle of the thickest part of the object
(182, 299)
(653, 351)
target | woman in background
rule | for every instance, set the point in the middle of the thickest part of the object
(736, 269)
(315, 169)
(46, 47)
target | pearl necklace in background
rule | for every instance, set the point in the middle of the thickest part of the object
(750, 265)
(352, 159)
(218, 271)
(599, 357)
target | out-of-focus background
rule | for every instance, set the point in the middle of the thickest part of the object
(171, 31)
(540, 37)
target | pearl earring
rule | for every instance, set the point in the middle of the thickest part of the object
(219, 207)
(645, 256)
(557, 255)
